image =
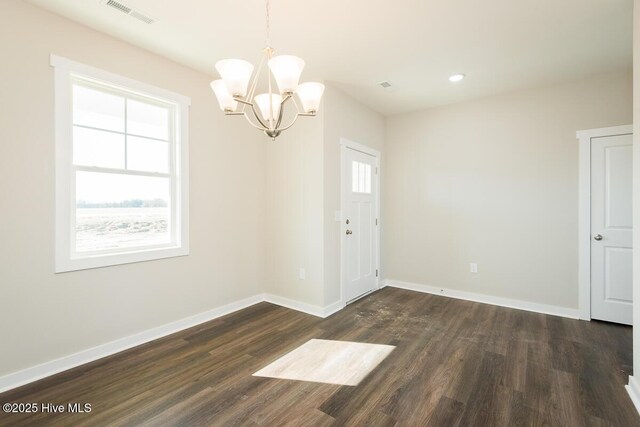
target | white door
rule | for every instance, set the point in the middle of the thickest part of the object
(360, 223)
(611, 221)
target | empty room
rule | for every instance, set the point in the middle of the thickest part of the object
(338, 213)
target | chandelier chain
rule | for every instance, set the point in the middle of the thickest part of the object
(268, 6)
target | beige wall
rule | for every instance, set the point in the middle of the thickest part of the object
(294, 212)
(303, 193)
(344, 118)
(44, 316)
(494, 181)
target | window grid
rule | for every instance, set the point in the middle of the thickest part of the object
(360, 177)
(126, 96)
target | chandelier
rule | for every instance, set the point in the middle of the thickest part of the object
(266, 110)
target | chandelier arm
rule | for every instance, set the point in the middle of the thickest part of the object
(242, 101)
(290, 124)
(240, 113)
(255, 113)
(253, 108)
(254, 84)
(296, 104)
(270, 96)
(259, 127)
(280, 114)
(286, 98)
(295, 119)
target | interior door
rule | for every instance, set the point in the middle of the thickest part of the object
(611, 228)
(360, 223)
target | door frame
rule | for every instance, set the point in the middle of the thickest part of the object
(346, 144)
(584, 211)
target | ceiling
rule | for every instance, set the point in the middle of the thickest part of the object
(500, 45)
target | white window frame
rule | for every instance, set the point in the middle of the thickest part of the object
(66, 259)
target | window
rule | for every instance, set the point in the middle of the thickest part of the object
(361, 177)
(121, 169)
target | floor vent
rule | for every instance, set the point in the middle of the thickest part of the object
(133, 13)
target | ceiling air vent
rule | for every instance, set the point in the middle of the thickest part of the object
(144, 18)
(131, 12)
(119, 6)
(388, 86)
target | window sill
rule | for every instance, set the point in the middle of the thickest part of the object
(107, 260)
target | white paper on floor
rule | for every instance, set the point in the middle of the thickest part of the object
(327, 361)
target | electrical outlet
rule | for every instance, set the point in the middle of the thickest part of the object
(473, 267)
(303, 274)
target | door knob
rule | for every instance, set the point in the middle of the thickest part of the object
(597, 237)
(349, 232)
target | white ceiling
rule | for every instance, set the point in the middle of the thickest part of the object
(416, 44)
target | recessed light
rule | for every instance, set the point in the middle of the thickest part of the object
(456, 78)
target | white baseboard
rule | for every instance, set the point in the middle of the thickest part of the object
(304, 307)
(633, 388)
(333, 308)
(34, 373)
(486, 299)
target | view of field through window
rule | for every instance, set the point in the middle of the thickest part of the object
(120, 211)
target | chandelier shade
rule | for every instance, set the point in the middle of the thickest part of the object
(269, 114)
(286, 70)
(226, 101)
(236, 74)
(310, 94)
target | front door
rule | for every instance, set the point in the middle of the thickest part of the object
(611, 227)
(360, 223)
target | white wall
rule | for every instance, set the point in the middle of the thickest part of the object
(494, 181)
(344, 117)
(44, 316)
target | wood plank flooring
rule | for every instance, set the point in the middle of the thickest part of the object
(456, 363)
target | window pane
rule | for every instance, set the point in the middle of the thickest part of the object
(148, 155)
(97, 109)
(355, 176)
(121, 211)
(367, 179)
(147, 120)
(98, 148)
(362, 173)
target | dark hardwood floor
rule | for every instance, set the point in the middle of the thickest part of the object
(455, 363)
